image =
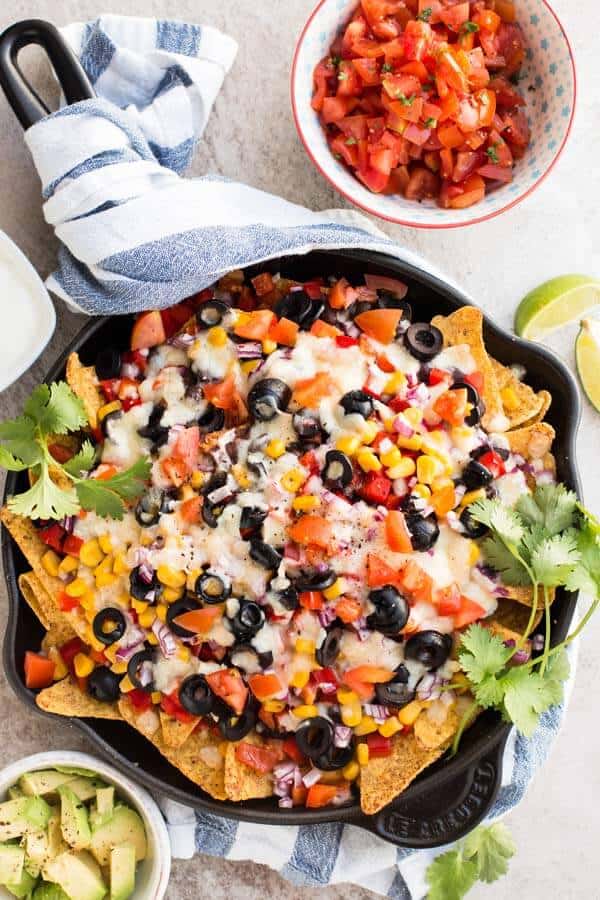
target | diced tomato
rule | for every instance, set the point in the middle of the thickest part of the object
(476, 380)
(175, 317)
(448, 600)
(364, 48)
(174, 469)
(66, 603)
(190, 510)
(223, 394)
(256, 327)
(141, 700)
(511, 46)
(229, 686)
(343, 340)
(376, 488)
(422, 184)
(312, 530)
(346, 149)
(60, 453)
(378, 745)
(368, 70)
(263, 284)
(53, 536)
(309, 461)
(452, 406)
(291, 749)
(322, 329)
(320, 795)
(187, 445)
(299, 795)
(171, 705)
(69, 651)
(261, 759)
(517, 128)
(506, 94)
(325, 679)
(148, 331)
(472, 192)
(284, 331)
(348, 609)
(494, 462)
(39, 671)
(338, 295)
(455, 16)
(506, 10)
(355, 31)
(379, 324)
(376, 181)
(336, 108)
(311, 599)
(309, 392)
(416, 583)
(469, 612)
(349, 82)
(354, 127)
(397, 534)
(450, 136)
(199, 621)
(496, 173)
(487, 20)
(379, 573)
(265, 686)
(324, 76)
(313, 288)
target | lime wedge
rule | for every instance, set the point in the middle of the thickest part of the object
(554, 303)
(587, 355)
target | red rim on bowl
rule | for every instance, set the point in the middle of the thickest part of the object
(408, 222)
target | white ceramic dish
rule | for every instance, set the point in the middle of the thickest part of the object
(549, 71)
(152, 875)
(27, 317)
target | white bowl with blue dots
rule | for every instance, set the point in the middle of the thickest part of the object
(548, 83)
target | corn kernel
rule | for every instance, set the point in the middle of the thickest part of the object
(51, 562)
(273, 706)
(105, 543)
(300, 678)
(362, 754)
(88, 601)
(60, 669)
(119, 668)
(442, 483)
(351, 771)
(391, 458)
(120, 566)
(368, 461)
(170, 595)
(427, 469)
(83, 665)
(410, 443)
(105, 567)
(351, 714)
(217, 336)
(472, 496)
(125, 685)
(413, 415)
(275, 448)
(171, 577)
(306, 502)
(422, 491)
(510, 400)
(303, 645)
(293, 480)
(241, 476)
(395, 383)
(390, 727)
(111, 652)
(108, 408)
(403, 469)
(306, 711)
(105, 579)
(473, 553)
(409, 714)
(192, 578)
(369, 432)
(93, 641)
(76, 588)
(140, 606)
(197, 480)
(367, 726)
(152, 639)
(249, 365)
(335, 590)
(348, 444)
(346, 696)
(156, 697)
(161, 612)
(147, 618)
(184, 654)
(460, 433)
(67, 565)
(268, 346)
(90, 553)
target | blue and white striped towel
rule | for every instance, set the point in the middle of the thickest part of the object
(134, 235)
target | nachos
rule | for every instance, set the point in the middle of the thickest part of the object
(254, 542)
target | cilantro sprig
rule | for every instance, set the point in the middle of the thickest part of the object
(482, 856)
(56, 410)
(547, 540)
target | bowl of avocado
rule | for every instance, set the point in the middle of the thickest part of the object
(73, 828)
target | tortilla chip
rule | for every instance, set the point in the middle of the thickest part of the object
(383, 778)
(65, 699)
(242, 782)
(524, 595)
(174, 732)
(54, 621)
(505, 634)
(431, 733)
(514, 616)
(546, 398)
(529, 404)
(83, 381)
(189, 758)
(532, 441)
(465, 326)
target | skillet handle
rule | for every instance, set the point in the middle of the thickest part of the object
(445, 811)
(26, 103)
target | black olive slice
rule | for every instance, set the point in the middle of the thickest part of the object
(289, 598)
(211, 588)
(108, 364)
(212, 419)
(357, 402)
(391, 610)
(330, 648)
(387, 300)
(307, 425)
(424, 532)
(314, 580)
(133, 668)
(295, 306)
(314, 737)
(149, 507)
(423, 341)
(234, 728)
(430, 648)
(475, 475)
(395, 693)
(140, 589)
(154, 431)
(211, 313)
(195, 695)
(108, 418)
(474, 399)
(334, 758)
(268, 398)
(265, 555)
(473, 528)
(337, 471)
(248, 620)
(109, 625)
(103, 685)
(251, 521)
(186, 604)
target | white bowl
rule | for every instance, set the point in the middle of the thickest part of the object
(152, 875)
(549, 68)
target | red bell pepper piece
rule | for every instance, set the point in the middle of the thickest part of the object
(70, 650)
(72, 545)
(53, 536)
(376, 488)
(378, 745)
(66, 603)
(344, 340)
(140, 699)
(494, 462)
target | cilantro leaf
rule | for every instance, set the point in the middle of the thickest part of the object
(44, 500)
(10, 462)
(504, 521)
(586, 576)
(482, 653)
(528, 694)
(499, 557)
(553, 559)
(551, 505)
(450, 876)
(62, 412)
(19, 434)
(491, 848)
(130, 483)
(95, 497)
(82, 461)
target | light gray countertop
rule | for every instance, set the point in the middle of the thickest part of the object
(251, 137)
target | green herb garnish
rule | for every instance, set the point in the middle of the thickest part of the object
(404, 100)
(430, 122)
(482, 856)
(351, 141)
(50, 411)
(493, 153)
(425, 15)
(470, 27)
(387, 67)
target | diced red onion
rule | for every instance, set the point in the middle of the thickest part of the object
(249, 350)
(311, 777)
(206, 463)
(362, 634)
(366, 294)
(376, 711)
(426, 686)
(146, 572)
(402, 427)
(124, 654)
(521, 656)
(182, 341)
(68, 523)
(291, 551)
(411, 380)
(327, 615)
(167, 641)
(285, 803)
(145, 672)
(342, 735)
(285, 771)
(384, 283)
(537, 642)
(403, 326)
(419, 393)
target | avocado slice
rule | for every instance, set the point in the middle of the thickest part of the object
(12, 860)
(14, 792)
(124, 827)
(104, 807)
(78, 874)
(20, 816)
(35, 845)
(86, 788)
(74, 820)
(122, 872)
(49, 891)
(23, 887)
(76, 770)
(44, 782)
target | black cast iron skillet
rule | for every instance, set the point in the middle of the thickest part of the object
(452, 796)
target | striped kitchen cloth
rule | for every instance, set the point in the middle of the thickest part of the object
(135, 234)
